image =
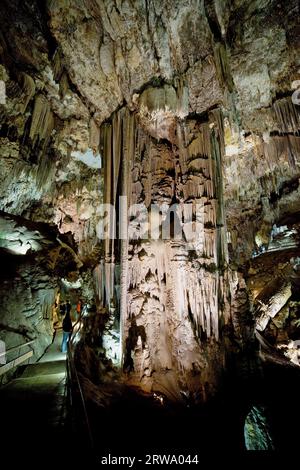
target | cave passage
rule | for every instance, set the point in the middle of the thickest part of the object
(149, 229)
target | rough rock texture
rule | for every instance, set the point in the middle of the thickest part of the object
(273, 281)
(33, 258)
(172, 291)
(42, 122)
(27, 314)
(199, 54)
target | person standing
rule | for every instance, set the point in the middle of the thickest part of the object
(62, 309)
(68, 307)
(67, 330)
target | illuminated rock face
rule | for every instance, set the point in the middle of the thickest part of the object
(173, 285)
(34, 257)
(27, 298)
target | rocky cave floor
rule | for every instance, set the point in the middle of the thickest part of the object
(137, 422)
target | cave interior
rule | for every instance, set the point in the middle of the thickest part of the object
(149, 187)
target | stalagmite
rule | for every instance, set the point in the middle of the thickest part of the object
(109, 273)
(127, 162)
(106, 142)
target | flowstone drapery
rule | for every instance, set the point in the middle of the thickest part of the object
(170, 289)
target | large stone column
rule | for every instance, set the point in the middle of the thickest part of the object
(172, 287)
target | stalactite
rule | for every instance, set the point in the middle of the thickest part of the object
(156, 264)
(111, 142)
(57, 64)
(28, 88)
(182, 145)
(209, 188)
(285, 147)
(287, 115)
(99, 279)
(182, 97)
(202, 160)
(106, 144)
(210, 213)
(109, 275)
(194, 188)
(200, 146)
(222, 66)
(162, 281)
(189, 210)
(134, 272)
(117, 144)
(44, 171)
(161, 261)
(94, 139)
(218, 150)
(198, 292)
(209, 243)
(216, 118)
(42, 121)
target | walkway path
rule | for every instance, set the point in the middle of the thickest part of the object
(32, 406)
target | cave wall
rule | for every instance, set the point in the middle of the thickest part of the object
(262, 140)
(27, 301)
(242, 56)
(48, 169)
(49, 174)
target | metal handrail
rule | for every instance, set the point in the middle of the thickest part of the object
(72, 367)
(15, 348)
(6, 366)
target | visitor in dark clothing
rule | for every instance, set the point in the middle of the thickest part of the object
(62, 309)
(68, 306)
(67, 329)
